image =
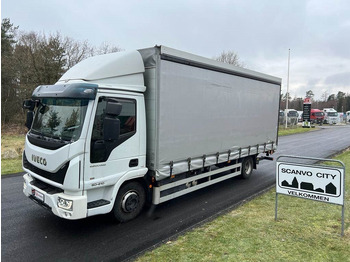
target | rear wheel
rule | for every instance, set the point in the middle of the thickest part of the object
(130, 201)
(247, 167)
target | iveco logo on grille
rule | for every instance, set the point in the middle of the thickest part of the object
(39, 160)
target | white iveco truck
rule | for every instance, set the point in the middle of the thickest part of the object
(121, 129)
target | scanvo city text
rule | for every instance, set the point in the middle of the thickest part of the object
(307, 173)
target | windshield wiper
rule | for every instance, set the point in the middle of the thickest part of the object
(71, 128)
(39, 134)
(59, 138)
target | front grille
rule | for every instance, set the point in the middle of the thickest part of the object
(57, 177)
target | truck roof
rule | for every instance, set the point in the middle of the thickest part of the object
(329, 110)
(126, 68)
(167, 53)
(121, 68)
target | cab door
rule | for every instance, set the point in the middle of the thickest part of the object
(106, 161)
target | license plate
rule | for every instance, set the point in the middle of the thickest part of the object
(38, 195)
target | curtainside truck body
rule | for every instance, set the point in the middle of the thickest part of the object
(121, 129)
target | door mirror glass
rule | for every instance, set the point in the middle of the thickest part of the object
(113, 107)
(28, 104)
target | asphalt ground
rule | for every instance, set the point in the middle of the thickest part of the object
(31, 233)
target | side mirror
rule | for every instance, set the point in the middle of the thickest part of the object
(111, 128)
(28, 104)
(29, 120)
(113, 108)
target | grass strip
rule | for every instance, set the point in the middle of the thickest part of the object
(282, 131)
(305, 231)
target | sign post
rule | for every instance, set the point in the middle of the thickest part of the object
(321, 183)
(307, 113)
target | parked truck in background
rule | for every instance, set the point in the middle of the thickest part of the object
(300, 116)
(317, 116)
(331, 116)
(121, 129)
(281, 118)
(292, 116)
(347, 117)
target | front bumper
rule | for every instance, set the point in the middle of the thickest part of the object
(49, 200)
(333, 120)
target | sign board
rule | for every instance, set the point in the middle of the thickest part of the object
(322, 183)
(306, 112)
(325, 184)
(307, 100)
(306, 109)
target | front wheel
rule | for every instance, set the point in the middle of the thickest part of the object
(247, 167)
(130, 201)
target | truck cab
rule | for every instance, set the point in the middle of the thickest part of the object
(292, 116)
(92, 114)
(331, 116)
(316, 116)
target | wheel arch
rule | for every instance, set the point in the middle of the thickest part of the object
(255, 161)
(131, 176)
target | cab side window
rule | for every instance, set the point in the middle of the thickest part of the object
(127, 117)
(100, 149)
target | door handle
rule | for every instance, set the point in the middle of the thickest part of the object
(133, 162)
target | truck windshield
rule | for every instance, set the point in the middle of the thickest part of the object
(60, 118)
(332, 114)
(318, 114)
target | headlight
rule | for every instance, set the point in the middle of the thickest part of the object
(65, 204)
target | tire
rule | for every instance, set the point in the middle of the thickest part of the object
(247, 167)
(129, 202)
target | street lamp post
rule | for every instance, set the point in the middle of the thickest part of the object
(287, 88)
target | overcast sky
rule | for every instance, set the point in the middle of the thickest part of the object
(317, 32)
